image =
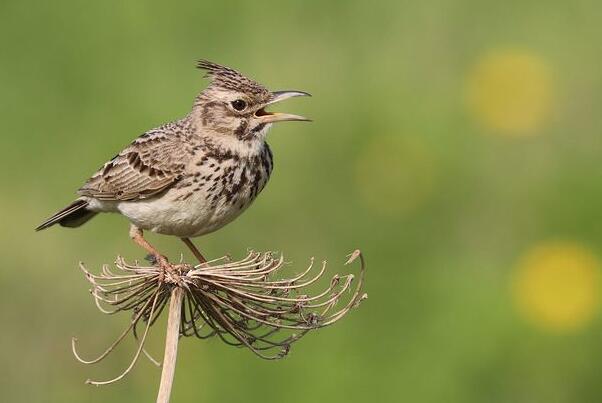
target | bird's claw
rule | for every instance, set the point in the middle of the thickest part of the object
(158, 260)
(164, 264)
(161, 262)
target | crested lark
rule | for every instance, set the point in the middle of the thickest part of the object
(192, 176)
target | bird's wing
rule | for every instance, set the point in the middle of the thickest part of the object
(151, 164)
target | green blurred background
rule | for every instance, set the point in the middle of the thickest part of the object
(456, 142)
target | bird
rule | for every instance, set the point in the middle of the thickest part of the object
(191, 176)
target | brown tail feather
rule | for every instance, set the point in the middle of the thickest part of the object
(73, 215)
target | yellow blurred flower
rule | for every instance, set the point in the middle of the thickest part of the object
(556, 285)
(394, 176)
(510, 92)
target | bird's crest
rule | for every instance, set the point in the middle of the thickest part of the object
(225, 77)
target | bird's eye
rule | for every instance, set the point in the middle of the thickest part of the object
(239, 104)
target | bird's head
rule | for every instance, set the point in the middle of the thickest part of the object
(235, 106)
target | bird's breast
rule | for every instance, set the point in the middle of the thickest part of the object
(212, 193)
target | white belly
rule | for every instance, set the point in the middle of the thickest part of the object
(192, 217)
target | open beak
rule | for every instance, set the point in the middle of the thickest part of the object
(277, 96)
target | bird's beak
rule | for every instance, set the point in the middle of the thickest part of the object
(277, 96)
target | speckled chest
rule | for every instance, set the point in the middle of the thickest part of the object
(222, 183)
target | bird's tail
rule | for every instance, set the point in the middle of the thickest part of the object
(73, 215)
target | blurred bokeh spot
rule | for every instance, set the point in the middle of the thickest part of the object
(510, 92)
(395, 175)
(556, 285)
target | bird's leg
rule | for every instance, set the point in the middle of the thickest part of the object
(137, 236)
(194, 250)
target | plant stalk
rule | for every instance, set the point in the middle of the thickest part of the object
(171, 345)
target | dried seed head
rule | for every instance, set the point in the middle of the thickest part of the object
(240, 302)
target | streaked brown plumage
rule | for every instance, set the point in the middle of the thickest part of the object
(191, 176)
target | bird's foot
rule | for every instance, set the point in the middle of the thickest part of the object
(164, 264)
(160, 261)
(169, 272)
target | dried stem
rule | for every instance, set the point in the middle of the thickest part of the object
(171, 345)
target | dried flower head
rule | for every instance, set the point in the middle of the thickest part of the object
(241, 301)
